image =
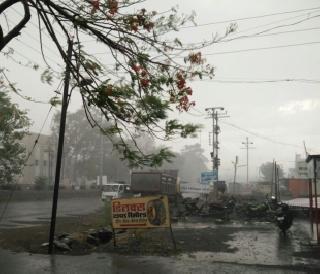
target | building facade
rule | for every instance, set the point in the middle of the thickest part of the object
(300, 170)
(40, 162)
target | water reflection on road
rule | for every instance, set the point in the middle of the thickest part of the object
(21, 214)
(24, 263)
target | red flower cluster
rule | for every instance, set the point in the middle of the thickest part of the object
(140, 20)
(112, 6)
(184, 92)
(95, 5)
(181, 82)
(108, 90)
(195, 58)
(185, 104)
(143, 75)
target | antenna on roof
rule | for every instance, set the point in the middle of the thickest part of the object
(305, 149)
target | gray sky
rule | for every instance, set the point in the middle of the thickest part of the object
(282, 112)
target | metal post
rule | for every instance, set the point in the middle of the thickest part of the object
(272, 181)
(311, 205)
(235, 174)
(213, 142)
(316, 199)
(63, 117)
(216, 132)
(276, 181)
(101, 159)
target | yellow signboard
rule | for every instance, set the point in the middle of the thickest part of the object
(142, 212)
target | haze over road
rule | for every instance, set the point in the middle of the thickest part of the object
(21, 214)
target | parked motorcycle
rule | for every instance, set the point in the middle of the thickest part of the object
(284, 218)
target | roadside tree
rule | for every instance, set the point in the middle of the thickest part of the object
(13, 126)
(190, 162)
(86, 149)
(266, 170)
(149, 71)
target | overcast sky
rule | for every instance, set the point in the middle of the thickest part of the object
(275, 115)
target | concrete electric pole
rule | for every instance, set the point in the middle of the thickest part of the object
(247, 147)
(215, 115)
(235, 164)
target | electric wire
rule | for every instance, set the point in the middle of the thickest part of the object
(260, 136)
(249, 131)
(254, 81)
(16, 91)
(249, 18)
(14, 188)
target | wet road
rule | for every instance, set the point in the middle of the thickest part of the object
(21, 214)
(249, 247)
(24, 263)
(252, 248)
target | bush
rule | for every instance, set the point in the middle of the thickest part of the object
(10, 187)
(41, 183)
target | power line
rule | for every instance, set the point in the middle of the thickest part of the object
(260, 136)
(262, 48)
(249, 18)
(36, 50)
(243, 50)
(24, 165)
(15, 90)
(240, 81)
(278, 21)
(35, 25)
(35, 39)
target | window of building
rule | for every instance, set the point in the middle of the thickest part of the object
(36, 162)
(44, 163)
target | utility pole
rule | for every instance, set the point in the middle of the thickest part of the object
(101, 158)
(235, 163)
(247, 147)
(63, 116)
(215, 115)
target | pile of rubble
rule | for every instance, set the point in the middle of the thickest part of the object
(226, 207)
(66, 242)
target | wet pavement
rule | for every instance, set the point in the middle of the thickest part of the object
(24, 263)
(207, 247)
(254, 247)
(22, 214)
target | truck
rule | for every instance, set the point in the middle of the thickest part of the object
(154, 182)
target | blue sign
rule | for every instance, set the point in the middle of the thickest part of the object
(208, 176)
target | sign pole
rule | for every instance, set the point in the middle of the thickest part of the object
(173, 239)
(114, 237)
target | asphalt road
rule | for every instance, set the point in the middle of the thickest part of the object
(258, 249)
(26, 213)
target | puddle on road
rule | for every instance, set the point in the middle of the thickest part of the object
(262, 245)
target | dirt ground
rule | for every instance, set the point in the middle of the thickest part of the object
(144, 242)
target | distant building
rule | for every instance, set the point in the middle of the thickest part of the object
(239, 188)
(263, 187)
(40, 162)
(298, 187)
(300, 170)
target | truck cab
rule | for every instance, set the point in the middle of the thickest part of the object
(115, 190)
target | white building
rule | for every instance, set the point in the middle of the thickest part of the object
(40, 162)
(300, 170)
